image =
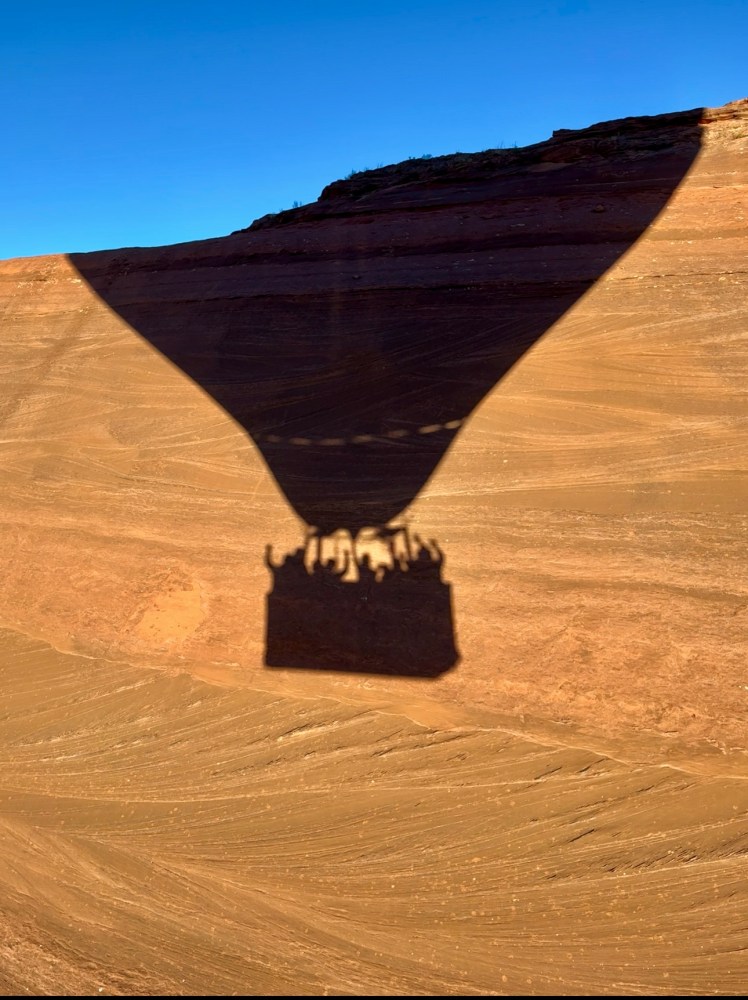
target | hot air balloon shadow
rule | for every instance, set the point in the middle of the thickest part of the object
(353, 387)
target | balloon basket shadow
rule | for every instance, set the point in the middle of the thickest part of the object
(378, 634)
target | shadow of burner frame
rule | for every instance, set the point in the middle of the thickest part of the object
(353, 396)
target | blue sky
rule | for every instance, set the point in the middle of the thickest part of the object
(141, 124)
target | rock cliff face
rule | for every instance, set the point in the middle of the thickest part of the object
(505, 393)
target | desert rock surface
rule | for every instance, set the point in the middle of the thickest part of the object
(538, 359)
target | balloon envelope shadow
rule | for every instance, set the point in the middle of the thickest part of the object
(353, 390)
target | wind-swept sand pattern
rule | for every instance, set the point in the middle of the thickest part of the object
(564, 811)
(164, 835)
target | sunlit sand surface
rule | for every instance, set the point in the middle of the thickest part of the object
(165, 835)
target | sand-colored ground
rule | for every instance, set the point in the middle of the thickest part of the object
(563, 812)
(163, 835)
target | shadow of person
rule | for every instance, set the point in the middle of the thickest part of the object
(289, 574)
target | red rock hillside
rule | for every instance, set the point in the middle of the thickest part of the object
(375, 597)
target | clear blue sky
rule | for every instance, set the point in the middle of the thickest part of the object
(147, 123)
